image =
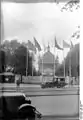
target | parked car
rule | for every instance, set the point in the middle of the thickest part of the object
(7, 77)
(14, 106)
(58, 82)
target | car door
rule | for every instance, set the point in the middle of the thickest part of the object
(1, 108)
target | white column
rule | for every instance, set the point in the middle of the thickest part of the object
(70, 62)
(27, 62)
(32, 65)
(64, 61)
(54, 61)
(42, 68)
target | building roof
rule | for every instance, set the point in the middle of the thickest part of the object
(48, 58)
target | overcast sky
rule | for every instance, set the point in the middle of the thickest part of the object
(41, 20)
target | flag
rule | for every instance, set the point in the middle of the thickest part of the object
(31, 46)
(57, 46)
(78, 36)
(37, 44)
(74, 34)
(71, 45)
(65, 44)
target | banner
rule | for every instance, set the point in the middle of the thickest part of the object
(37, 44)
(57, 46)
(31, 46)
(66, 45)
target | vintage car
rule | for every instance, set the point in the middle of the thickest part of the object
(14, 105)
(58, 82)
(7, 77)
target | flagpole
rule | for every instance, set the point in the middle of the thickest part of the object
(32, 65)
(64, 61)
(42, 68)
(26, 61)
(70, 63)
(54, 61)
(70, 67)
(76, 63)
(56, 46)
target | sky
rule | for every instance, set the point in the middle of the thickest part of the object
(44, 21)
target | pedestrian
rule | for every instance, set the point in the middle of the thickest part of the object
(17, 81)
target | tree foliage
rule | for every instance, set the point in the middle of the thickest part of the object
(76, 34)
(73, 54)
(17, 57)
(20, 60)
(10, 45)
(2, 61)
(71, 6)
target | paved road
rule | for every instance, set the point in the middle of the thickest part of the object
(13, 85)
(59, 118)
(22, 85)
(36, 90)
(55, 118)
(50, 101)
(57, 105)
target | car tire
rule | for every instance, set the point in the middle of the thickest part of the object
(26, 112)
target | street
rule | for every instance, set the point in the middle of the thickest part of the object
(50, 102)
(59, 118)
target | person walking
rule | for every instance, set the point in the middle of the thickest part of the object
(17, 81)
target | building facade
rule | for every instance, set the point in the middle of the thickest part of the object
(46, 63)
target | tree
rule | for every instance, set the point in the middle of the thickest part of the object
(20, 61)
(73, 54)
(2, 61)
(71, 6)
(10, 45)
(14, 44)
(2, 64)
(76, 34)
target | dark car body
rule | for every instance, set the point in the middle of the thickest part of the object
(14, 106)
(7, 77)
(55, 83)
(9, 103)
(61, 83)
